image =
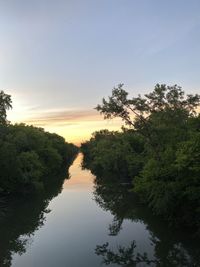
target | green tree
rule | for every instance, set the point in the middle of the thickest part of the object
(140, 108)
(166, 105)
(5, 104)
(165, 126)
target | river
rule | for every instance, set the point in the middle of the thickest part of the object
(87, 224)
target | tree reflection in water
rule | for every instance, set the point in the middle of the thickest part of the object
(171, 249)
(127, 257)
(123, 256)
(23, 217)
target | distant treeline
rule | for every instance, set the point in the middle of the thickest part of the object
(159, 153)
(29, 156)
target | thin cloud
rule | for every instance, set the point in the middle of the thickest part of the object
(63, 117)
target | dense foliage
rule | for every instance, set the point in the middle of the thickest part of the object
(28, 155)
(160, 153)
(108, 153)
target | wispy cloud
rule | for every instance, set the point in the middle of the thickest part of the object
(62, 117)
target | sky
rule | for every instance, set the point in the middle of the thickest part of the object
(59, 58)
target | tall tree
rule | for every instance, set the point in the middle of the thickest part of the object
(166, 105)
(140, 108)
(5, 104)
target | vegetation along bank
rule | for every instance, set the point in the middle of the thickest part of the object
(29, 156)
(158, 150)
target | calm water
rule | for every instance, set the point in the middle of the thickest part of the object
(83, 223)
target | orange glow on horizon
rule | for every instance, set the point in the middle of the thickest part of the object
(76, 126)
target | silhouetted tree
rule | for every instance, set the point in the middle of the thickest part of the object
(5, 104)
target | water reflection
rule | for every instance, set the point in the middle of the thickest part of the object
(171, 247)
(23, 217)
(124, 256)
(112, 228)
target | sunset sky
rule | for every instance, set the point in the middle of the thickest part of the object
(58, 58)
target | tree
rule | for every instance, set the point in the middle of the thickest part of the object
(153, 114)
(161, 99)
(5, 104)
(165, 169)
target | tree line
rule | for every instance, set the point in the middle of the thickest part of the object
(29, 156)
(158, 150)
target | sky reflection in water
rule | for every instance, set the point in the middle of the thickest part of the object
(88, 224)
